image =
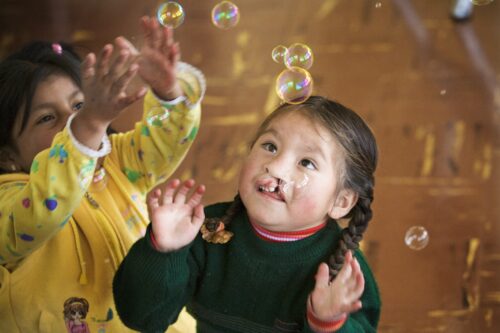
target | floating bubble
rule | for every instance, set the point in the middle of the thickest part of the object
(278, 54)
(170, 14)
(294, 85)
(481, 2)
(157, 115)
(299, 55)
(225, 15)
(416, 238)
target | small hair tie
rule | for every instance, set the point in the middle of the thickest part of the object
(57, 48)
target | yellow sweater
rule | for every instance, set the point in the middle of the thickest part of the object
(58, 242)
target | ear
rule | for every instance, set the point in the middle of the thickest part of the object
(342, 204)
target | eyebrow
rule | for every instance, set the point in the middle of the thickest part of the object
(49, 105)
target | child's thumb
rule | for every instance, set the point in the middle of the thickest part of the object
(198, 216)
(322, 276)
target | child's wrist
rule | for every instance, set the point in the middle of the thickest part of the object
(321, 325)
(154, 242)
(171, 94)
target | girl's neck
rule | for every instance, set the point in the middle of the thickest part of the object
(285, 236)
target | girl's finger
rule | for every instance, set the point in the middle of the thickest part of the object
(124, 44)
(174, 54)
(168, 191)
(180, 197)
(121, 83)
(360, 285)
(345, 271)
(156, 34)
(153, 200)
(322, 276)
(198, 216)
(87, 68)
(169, 36)
(118, 66)
(103, 61)
(146, 30)
(196, 197)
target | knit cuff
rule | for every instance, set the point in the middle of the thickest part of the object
(321, 326)
(103, 151)
(152, 239)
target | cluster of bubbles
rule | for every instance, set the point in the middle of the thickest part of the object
(417, 238)
(294, 84)
(225, 14)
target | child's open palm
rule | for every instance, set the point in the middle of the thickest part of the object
(341, 296)
(176, 216)
(105, 82)
(158, 58)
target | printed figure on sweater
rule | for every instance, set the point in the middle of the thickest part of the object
(72, 194)
(75, 311)
(275, 259)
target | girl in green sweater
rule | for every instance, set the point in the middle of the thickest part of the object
(274, 259)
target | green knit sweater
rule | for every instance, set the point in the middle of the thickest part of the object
(247, 285)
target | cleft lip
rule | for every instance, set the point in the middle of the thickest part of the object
(271, 187)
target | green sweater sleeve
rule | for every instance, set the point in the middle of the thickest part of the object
(34, 207)
(150, 288)
(156, 146)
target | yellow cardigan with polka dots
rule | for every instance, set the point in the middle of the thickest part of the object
(63, 235)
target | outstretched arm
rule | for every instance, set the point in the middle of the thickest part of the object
(155, 148)
(152, 283)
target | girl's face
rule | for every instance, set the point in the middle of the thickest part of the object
(55, 99)
(290, 179)
(76, 314)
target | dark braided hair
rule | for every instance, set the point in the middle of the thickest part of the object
(360, 160)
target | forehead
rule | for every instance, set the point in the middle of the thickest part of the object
(300, 123)
(54, 87)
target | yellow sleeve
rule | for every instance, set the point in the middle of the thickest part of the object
(34, 208)
(156, 146)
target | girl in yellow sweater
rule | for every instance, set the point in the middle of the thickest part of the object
(72, 197)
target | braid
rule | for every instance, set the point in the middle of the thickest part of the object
(213, 223)
(360, 214)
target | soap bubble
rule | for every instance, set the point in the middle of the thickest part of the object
(416, 238)
(278, 54)
(299, 55)
(294, 85)
(170, 14)
(225, 15)
(481, 2)
(157, 115)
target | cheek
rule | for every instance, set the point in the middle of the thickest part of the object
(247, 173)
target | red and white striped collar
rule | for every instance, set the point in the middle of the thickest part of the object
(285, 236)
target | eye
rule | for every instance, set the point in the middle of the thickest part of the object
(78, 106)
(44, 119)
(307, 164)
(270, 147)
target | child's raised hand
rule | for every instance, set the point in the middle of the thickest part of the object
(105, 83)
(176, 216)
(158, 58)
(333, 299)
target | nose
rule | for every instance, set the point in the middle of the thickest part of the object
(279, 167)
